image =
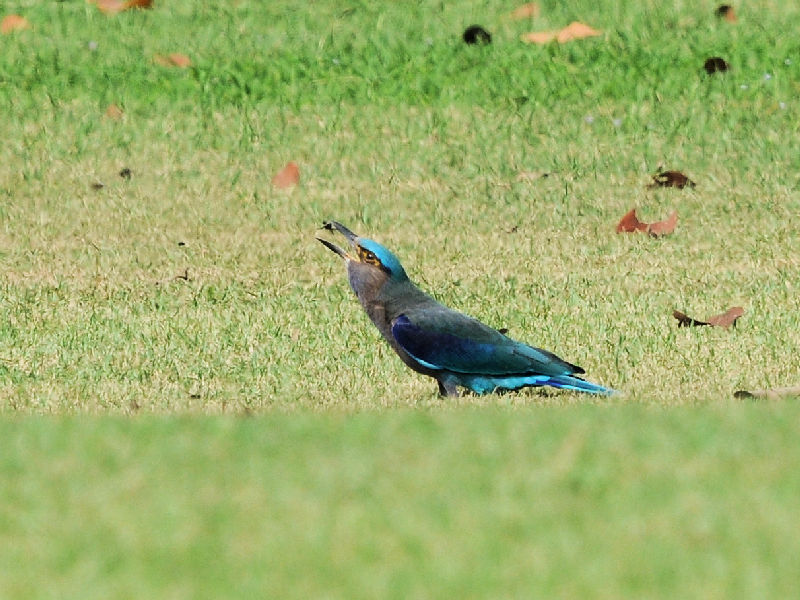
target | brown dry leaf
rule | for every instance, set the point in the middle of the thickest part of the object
(724, 320)
(672, 179)
(773, 394)
(685, 320)
(175, 59)
(526, 11)
(727, 318)
(664, 227)
(576, 31)
(630, 223)
(12, 23)
(114, 112)
(112, 7)
(725, 11)
(180, 60)
(288, 176)
(573, 31)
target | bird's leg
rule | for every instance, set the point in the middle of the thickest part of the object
(447, 388)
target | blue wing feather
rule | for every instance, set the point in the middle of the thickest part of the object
(454, 342)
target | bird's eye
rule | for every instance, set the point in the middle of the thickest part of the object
(368, 256)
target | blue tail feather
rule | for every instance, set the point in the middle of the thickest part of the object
(482, 384)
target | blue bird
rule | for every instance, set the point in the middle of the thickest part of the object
(453, 348)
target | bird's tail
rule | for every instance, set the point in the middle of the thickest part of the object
(570, 382)
(483, 384)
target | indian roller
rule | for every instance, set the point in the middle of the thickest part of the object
(453, 348)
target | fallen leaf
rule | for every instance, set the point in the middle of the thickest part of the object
(180, 60)
(125, 173)
(475, 34)
(526, 11)
(12, 23)
(715, 64)
(573, 31)
(672, 179)
(287, 177)
(112, 7)
(685, 320)
(173, 60)
(114, 112)
(576, 31)
(664, 227)
(724, 320)
(725, 11)
(727, 318)
(772, 394)
(630, 223)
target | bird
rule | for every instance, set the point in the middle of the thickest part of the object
(456, 350)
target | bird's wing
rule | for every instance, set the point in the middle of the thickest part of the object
(443, 339)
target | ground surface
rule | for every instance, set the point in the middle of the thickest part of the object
(135, 314)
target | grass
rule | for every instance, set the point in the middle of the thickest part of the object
(575, 502)
(194, 289)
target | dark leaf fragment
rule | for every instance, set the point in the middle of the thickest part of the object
(475, 34)
(771, 394)
(724, 320)
(674, 179)
(725, 11)
(715, 64)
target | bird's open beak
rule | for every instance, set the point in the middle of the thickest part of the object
(351, 237)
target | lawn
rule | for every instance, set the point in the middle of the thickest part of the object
(192, 400)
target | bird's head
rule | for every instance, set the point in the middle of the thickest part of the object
(367, 260)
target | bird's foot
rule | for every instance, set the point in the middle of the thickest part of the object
(448, 388)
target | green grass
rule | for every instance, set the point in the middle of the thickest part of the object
(195, 289)
(578, 502)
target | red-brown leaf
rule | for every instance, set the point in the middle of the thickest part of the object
(12, 23)
(727, 318)
(725, 11)
(724, 320)
(112, 7)
(664, 227)
(526, 11)
(630, 223)
(573, 31)
(176, 59)
(287, 177)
